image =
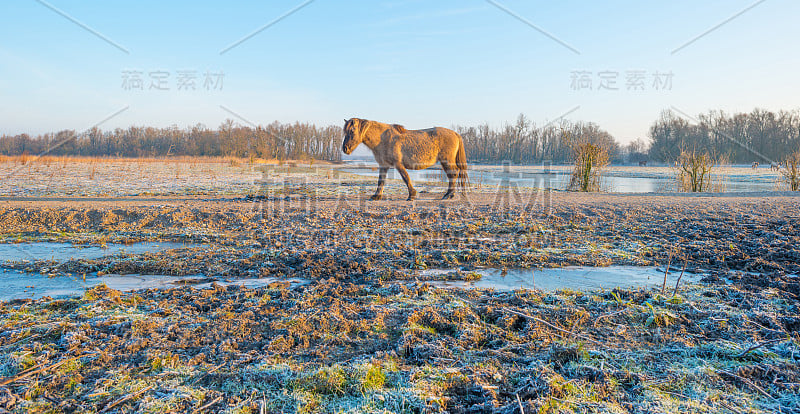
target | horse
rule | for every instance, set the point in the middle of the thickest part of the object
(643, 163)
(775, 167)
(395, 146)
(755, 165)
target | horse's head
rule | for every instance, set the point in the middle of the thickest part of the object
(353, 134)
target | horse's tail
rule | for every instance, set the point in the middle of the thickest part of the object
(461, 163)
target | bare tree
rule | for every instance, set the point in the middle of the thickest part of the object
(742, 138)
(276, 140)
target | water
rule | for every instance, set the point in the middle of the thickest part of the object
(575, 278)
(61, 252)
(617, 179)
(18, 285)
(560, 181)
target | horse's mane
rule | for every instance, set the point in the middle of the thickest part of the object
(401, 129)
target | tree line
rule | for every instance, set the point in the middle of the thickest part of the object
(522, 142)
(519, 143)
(273, 141)
(736, 138)
(760, 136)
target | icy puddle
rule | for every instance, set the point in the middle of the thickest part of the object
(18, 285)
(17, 252)
(575, 278)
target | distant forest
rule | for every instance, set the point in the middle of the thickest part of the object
(523, 143)
(736, 138)
(274, 141)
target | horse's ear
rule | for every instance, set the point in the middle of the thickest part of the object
(401, 129)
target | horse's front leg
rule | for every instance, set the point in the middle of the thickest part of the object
(412, 193)
(381, 181)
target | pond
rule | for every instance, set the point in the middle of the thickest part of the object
(19, 285)
(17, 252)
(575, 278)
(617, 179)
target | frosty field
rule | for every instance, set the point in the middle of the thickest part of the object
(389, 306)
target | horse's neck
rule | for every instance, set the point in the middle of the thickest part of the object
(372, 136)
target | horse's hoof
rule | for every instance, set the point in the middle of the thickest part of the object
(376, 197)
(448, 196)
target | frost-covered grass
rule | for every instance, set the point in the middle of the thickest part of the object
(337, 346)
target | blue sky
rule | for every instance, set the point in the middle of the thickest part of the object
(416, 62)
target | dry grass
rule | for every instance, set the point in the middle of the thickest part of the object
(335, 346)
(26, 159)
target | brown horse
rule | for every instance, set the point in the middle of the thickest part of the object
(395, 146)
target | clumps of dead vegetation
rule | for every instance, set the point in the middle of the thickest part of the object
(336, 346)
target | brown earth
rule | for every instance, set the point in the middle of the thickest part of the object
(362, 337)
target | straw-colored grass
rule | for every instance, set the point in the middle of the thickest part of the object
(25, 159)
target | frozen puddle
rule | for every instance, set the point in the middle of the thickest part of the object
(18, 285)
(16, 252)
(575, 278)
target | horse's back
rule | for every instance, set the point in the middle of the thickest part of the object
(441, 134)
(422, 148)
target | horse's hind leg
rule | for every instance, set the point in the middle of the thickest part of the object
(381, 181)
(412, 193)
(452, 174)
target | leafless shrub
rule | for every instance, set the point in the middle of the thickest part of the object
(790, 171)
(694, 171)
(589, 160)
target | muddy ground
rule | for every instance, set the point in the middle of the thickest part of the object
(348, 238)
(366, 335)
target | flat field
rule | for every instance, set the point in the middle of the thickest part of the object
(367, 332)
